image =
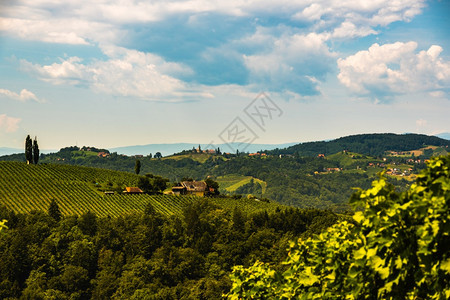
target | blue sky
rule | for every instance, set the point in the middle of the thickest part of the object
(115, 73)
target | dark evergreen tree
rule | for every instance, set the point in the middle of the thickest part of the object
(137, 166)
(238, 220)
(29, 150)
(53, 211)
(88, 223)
(35, 151)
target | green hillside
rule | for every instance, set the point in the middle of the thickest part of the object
(370, 144)
(232, 182)
(79, 189)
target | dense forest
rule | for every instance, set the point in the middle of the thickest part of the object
(370, 144)
(144, 255)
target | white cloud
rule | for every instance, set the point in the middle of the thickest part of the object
(349, 18)
(292, 62)
(24, 95)
(125, 73)
(75, 22)
(9, 124)
(395, 68)
(60, 30)
(350, 30)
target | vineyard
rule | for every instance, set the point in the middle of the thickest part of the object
(24, 188)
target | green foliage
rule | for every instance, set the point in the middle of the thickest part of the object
(395, 248)
(369, 144)
(53, 211)
(142, 255)
(151, 184)
(35, 151)
(26, 188)
(137, 167)
(2, 224)
(29, 150)
(212, 184)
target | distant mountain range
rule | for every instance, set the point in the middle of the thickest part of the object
(8, 151)
(169, 149)
(444, 135)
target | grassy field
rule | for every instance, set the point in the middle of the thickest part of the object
(200, 157)
(24, 188)
(231, 183)
(350, 158)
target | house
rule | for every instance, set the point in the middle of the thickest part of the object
(321, 155)
(103, 154)
(129, 190)
(197, 188)
(179, 190)
(109, 192)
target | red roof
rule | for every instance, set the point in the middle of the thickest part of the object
(131, 189)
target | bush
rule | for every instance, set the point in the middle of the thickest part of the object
(395, 248)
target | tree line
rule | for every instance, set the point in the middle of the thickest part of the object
(143, 255)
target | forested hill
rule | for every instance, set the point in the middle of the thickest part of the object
(370, 144)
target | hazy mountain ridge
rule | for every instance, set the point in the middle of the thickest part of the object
(287, 148)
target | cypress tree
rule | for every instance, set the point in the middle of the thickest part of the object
(137, 166)
(29, 150)
(35, 151)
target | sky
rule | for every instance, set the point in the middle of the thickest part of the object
(124, 72)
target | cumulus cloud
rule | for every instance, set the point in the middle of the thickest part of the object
(291, 62)
(9, 124)
(348, 19)
(288, 54)
(125, 73)
(74, 22)
(23, 96)
(61, 30)
(395, 68)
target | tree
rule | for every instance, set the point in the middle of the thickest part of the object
(152, 184)
(158, 155)
(35, 151)
(88, 223)
(29, 150)
(137, 167)
(396, 248)
(212, 184)
(150, 155)
(53, 211)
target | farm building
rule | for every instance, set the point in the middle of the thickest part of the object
(197, 188)
(132, 190)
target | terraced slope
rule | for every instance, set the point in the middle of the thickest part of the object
(29, 187)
